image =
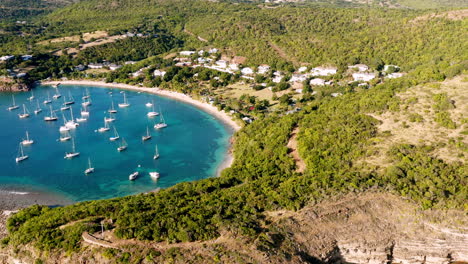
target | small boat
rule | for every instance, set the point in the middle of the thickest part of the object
(21, 155)
(125, 103)
(38, 109)
(57, 95)
(25, 113)
(52, 116)
(86, 96)
(70, 99)
(133, 176)
(86, 103)
(112, 110)
(154, 175)
(81, 119)
(84, 111)
(122, 146)
(65, 137)
(116, 135)
(64, 107)
(27, 141)
(30, 98)
(161, 124)
(156, 153)
(109, 119)
(147, 136)
(105, 128)
(13, 106)
(71, 123)
(149, 104)
(152, 113)
(64, 128)
(47, 101)
(90, 169)
(73, 153)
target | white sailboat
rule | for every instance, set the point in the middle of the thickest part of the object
(116, 135)
(90, 169)
(122, 145)
(30, 98)
(147, 136)
(25, 113)
(81, 119)
(154, 175)
(73, 153)
(86, 96)
(156, 153)
(112, 109)
(57, 94)
(161, 124)
(105, 128)
(47, 101)
(87, 102)
(38, 109)
(125, 102)
(52, 116)
(65, 136)
(148, 104)
(71, 123)
(133, 176)
(64, 107)
(110, 118)
(70, 99)
(64, 128)
(27, 141)
(152, 113)
(84, 111)
(21, 155)
(13, 106)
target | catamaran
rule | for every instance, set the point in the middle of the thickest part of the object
(70, 99)
(152, 113)
(38, 109)
(25, 113)
(116, 135)
(105, 128)
(71, 123)
(57, 95)
(84, 111)
(70, 155)
(65, 136)
(125, 103)
(21, 155)
(27, 141)
(161, 124)
(133, 176)
(90, 169)
(86, 96)
(112, 110)
(30, 98)
(52, 116)
(48, 101)
(154, 175)
(156, 152)
(147, 136)
(13, 106)
(122, 145)
(109, 119)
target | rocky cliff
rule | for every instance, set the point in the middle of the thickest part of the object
(10, 85)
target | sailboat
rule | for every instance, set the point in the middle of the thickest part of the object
(64, 107)
(70, 155)
(116, 135)
(154, 175)
(156, 153)
(161, 124)
(112, 110)
(133, 176)
(57, 95)
(52, 116)
(86, 96)
(148, 104)
(90, 169)
(71, 123)
(25, 113)
(38, 109)
(122, 145)
(65, 137)
(81, 119)
(125, 103)
(84, 111)
(105, 128)
(64, 128)
(30, 98)
(109, 119)
(86, 102)
(70, 99)
(27, 141)
(147, 136)
(21, 155)
(48, 101)
(13, 106)
(152, 113)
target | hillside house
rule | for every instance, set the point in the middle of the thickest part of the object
(317, 82)
(187, 53)
(302, 69)
(323, 71)
(247, 71)
(388, 67)
(159, 73)
(95, 65)
(395, 75)
(262, 69)
(365, 77)
(114, 67)
(26, 57)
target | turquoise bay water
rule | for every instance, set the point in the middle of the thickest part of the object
(191, 148)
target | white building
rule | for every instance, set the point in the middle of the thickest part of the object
(213, 50)
(359, 67)
(187, 53)
(387, 67)
(302, 69)
(336, 94)
(277, 79)
(114, 67)
(323, 71)
(234, 66)
(26, 57)
(6, 58)
(262, 69)
(247, 71)
(221, 64)
(159, 73)
(395, 75)
(317, 81)
(359, 76)
(298, 78)
(95, 65)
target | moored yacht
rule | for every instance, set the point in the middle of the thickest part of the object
(116, 135)
(52, 116)
(73, 153)
(112, 109)
(38, 109)
(125, 102)
(21, 155)
(156, 153)
(147, 136)
(152, 113)
(133, 176)
(122, 145)
(27, 141)
(154, 175)
(65, 136)
(47, 101)
(25, 113)
(105, 128)
(161, 124)
(13, 106)
(90, 169)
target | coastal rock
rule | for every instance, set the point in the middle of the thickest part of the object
(11, 85)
